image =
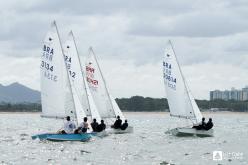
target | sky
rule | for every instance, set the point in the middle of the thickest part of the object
(210, 39)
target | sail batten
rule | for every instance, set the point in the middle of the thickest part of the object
(181, 102)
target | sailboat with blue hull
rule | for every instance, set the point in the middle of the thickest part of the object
(59, 97)
(64, 137)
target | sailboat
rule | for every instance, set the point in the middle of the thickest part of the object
(78, 82)
(58, 96)
(181, 102)
(106, 105)
(77, 78)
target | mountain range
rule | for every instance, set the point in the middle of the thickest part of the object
(18, 93)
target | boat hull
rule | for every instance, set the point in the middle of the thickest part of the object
(63, 137)
(192, 132)
(100, 134)
(119, 131)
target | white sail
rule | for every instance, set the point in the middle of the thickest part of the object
(78, 81)
(197, 112)
(56, 95)
(75, 72)
(181, 102)
(94, 112)
(79, 111)
(98, 87)
(117, 109)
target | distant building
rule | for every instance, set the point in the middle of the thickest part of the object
(245, 93)
(233, 94)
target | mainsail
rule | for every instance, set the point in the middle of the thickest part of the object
(56, 93)
(98, 87)
(181, 102)
(77, 79)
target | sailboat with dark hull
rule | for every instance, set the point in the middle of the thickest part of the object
(181, 102)
(106, 105)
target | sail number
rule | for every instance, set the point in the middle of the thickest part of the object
(172, 86)
(68, 66)
(48, 72)
(72, 74)
(171, 80)
(90, 76)
(47, 66)
(48, 52)
(50, 76)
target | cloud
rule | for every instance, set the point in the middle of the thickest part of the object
(199, 23)
(131, 36)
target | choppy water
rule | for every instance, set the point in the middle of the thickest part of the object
(147, 145)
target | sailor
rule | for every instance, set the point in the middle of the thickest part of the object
(82, 127)
(69, 126)
(101, 126)
(202, 125)
(94, 125)
(209, 124)
(124, 125)
(117, 124)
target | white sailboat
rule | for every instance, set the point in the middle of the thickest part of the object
(58, 97)
(107, 106)
(77, 78)
(180, 100)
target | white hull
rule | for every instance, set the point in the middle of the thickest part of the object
(192, 132)
(101, 134)
(119, 131)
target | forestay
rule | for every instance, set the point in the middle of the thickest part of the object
(98, 87)
(56, 94)
(181, 102)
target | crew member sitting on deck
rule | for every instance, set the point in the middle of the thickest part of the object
(94, 125)
(69, 126)
(82, 127)
(201, 126)
(101, 127)
(209, 124)
(117, 124)
(124, 125)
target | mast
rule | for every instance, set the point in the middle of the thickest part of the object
(67, 75)
(183, 79)
(90, 49)
(81, 72)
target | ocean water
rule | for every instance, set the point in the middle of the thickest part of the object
(149, 144)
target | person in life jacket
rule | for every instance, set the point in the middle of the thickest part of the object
(124, 125)
(117, 124)
(69, 126)
(94, 125)
(209, 124)
(83, 127)
(202, 125)
(101, 126)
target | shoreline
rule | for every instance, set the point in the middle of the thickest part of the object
(218, 112)
(143, 112)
